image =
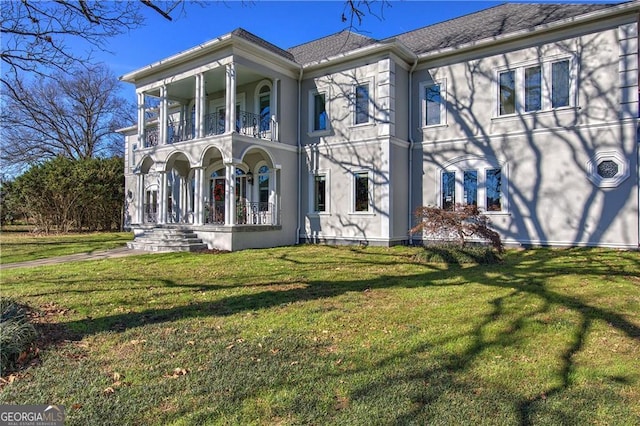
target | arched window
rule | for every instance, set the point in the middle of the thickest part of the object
(263, 188)
(474, 180)
(264, 106)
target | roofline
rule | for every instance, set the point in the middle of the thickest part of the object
(612, 11)
(387, 44)
(225, 40)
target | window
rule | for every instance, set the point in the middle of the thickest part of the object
(263, 188)
(470, 186)
(264, 108)
(493, 188)
(474, 181)
(608, 169)
(319, 112)
(448, 190)
(433, 105)
(560, 84)
(361, 186)
(507, 92)
(433, 102)
(535, 88)
(320, 193)
(362, 104)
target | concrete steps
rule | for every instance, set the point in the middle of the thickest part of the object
(167, 239)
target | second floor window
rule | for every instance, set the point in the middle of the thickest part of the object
(319, 112)
(362, 104)
(541, 87)
(432, 101)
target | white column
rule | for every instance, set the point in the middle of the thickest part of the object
(200, 105)
(274, 116)
(276, 197)
(198, 196)
(163, 198)
(163, 116)
(230, 99)
(139, 203)
(230, 196)
(183, 205)
(141, 120)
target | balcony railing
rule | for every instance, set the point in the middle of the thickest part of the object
(247, 213)
(252, 213)
(151, 136)
(214, 124)
(150, 213)
(247, 123)
(214, 213)
(180, 130)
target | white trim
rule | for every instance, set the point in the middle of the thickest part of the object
(327, 192)
(465, 163)
(612, 155)
(370, 83)
(311, 113)
(546, 83)
(370, 193)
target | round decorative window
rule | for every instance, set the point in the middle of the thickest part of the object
(607, 169)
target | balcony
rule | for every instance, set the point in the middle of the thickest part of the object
(247, 123)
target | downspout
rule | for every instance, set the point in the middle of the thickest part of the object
(299, 155)
(411, 145)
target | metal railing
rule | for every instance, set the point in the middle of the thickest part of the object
(151, 136)
(255, 213)
(150, 213)
(180, 130)
(214, 213)
(213, 124)
(247, 213)
(247, 123)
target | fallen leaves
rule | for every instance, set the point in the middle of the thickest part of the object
(177, 372)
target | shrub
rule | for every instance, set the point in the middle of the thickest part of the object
(16, 334)
(460, 224)
(454, 254)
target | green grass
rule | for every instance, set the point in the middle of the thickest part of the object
(326, 335)
(24, 246)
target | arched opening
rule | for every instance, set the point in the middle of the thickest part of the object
(178, 189)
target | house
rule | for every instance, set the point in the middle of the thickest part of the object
(528, 111)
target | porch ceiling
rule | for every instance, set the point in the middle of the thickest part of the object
(215, 81)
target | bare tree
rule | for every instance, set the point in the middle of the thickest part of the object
(34, 33)
(72, 114)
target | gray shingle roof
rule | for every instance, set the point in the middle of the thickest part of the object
(241, 32)
(341, 42)
(489, 23)
(485, 24)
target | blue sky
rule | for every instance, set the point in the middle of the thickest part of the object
(283, 23)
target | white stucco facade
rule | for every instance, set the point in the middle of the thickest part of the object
(260, 149)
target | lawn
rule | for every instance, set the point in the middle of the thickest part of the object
(24, 246)
(336, 335)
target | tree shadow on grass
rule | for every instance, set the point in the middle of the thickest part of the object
(524, 275)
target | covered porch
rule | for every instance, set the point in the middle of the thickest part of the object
(214, 195)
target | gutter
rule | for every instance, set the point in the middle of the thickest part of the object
(411, 145)
(595, 16)
(299, 155)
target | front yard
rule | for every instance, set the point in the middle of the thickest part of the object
(326, 335)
